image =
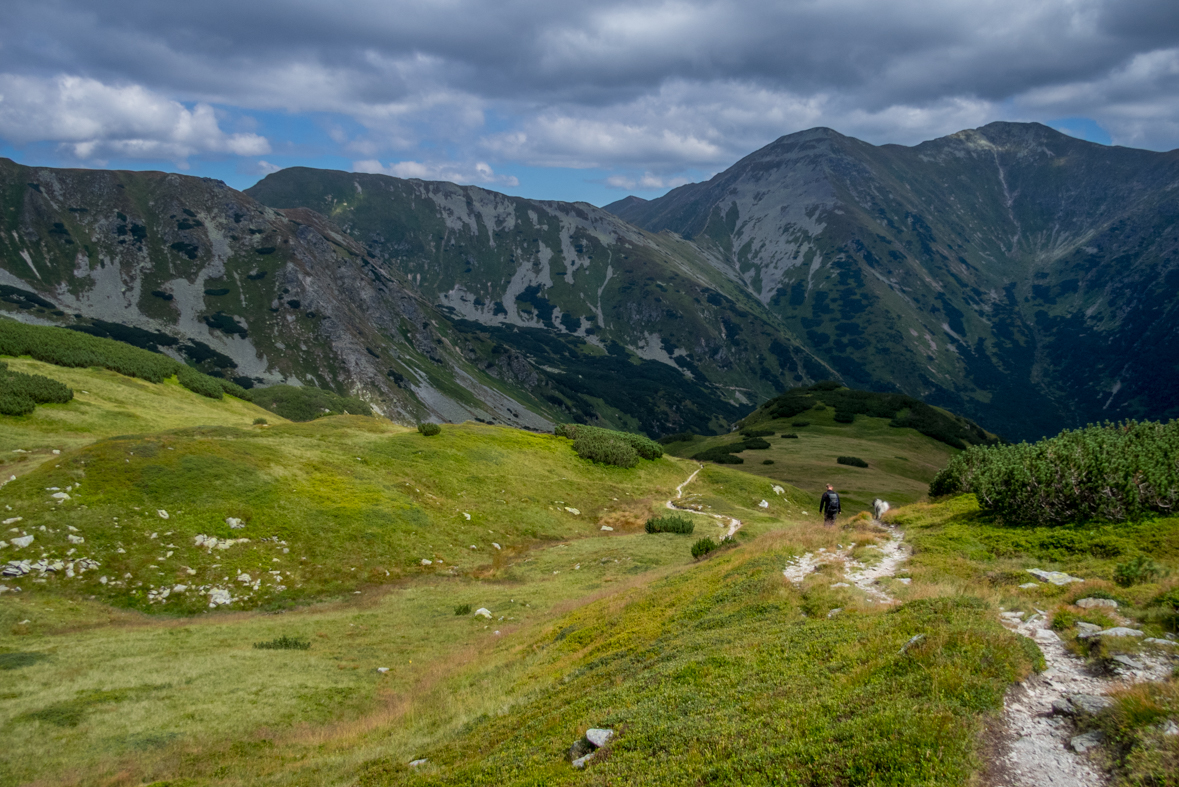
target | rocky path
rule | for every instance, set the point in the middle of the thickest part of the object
(1037, 744)
(733, 524)
(863, 576)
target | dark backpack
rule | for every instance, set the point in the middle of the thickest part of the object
(833, 502)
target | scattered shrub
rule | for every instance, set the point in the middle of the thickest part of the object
(462, 609)
(284, 643)
(767, 461)
(800, 424)
(676, 523)
(1135, 572)
(852, 461)
(721, 454)
(259, 422)
(198, 383)
(790, 436)
(703, 547)
(1113, 472)
(819, 408)
(429, 429)
(678, 437)
(757, 432)
(755, 444)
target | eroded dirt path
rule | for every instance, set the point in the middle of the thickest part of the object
(731, 523)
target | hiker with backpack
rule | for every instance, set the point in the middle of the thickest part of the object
(829, 505)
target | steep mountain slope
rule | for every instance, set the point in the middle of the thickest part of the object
(1012, 273)
(645, 329)
(195, 269)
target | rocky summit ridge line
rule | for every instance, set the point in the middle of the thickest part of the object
(1009, 273)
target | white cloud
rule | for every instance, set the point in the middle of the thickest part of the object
(477, 173)
(91, 119)
(644, 182)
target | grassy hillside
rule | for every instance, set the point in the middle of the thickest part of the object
(901, 461)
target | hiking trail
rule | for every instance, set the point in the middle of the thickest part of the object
(732, 523)
(865, 577)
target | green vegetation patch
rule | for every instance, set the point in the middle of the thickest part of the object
(715, 676)
(622, 449)
(1112, 472)
(303, 403)
(904, 412)
(21, 393)
(851, 461)
(429, 429)
(284, 643)
(63, 347)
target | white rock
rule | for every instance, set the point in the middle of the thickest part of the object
(1046, 635)
(778, 490)
(57, 450)
(3, 544)
(598, 737)
(1157, 641)
(219, 597)
(1029, 585)
(905, 580)
(483, 612)
(580, 762)
(244, 578)
(162, 513)
(607, 528)
(180, 588)
(1093, 603)
(75, 539)
(466, 515)
(497, 546)
(573, 511)
(841, 585)
(23, 541)
(71, 528)
(763, 504)
(426, 562)
(416, 763)
(13, 520)
(382, 670)
(60, 496)
(1055, 577)
(234, 523)
(1116, 631)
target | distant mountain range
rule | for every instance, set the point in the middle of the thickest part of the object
(1009, 273)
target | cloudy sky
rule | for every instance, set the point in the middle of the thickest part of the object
(586, 101)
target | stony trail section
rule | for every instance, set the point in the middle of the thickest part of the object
(733, 524)
(1034, 747)
(864, 577)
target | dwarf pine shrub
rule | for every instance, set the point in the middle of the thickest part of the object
(20, 393)
(623, 449)
(1110, 471)
(462, 609)
(703, 547)
(1135, 572)
(429, 429)
(676, 523)
(851, 461)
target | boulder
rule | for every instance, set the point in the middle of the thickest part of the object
(1087, 628)
(162, 513)
(75, 539)
(1083, 743)
(1116, 631)
(483, 612)
(607, 528)
(60, 497)
(23, 541)
(1095, 603)
(426, 562)
(599, 737)
(573, 511)
(1054, 577)
(417, 763)
(1091, 704)
(580, 762)
(234, 523)
(1127, 663)
(1046, 635)
(1157, 641)
(1029, 585)
(763, 504)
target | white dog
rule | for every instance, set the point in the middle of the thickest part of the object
(878, 508)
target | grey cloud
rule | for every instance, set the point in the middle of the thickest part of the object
(650, 84)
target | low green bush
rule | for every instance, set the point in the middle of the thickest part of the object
(678, 437)
(790, 436)
(1137, 571)
(462, 609)
(198, 383)
(429, 429)
(755, 444)
(721, 455)
(259, 422)
(800, 424)
(1114, 472)
(20, 393)
(623, 449)
(851, 461)
(703, 547)
(844, 417)
(767, 461)
(675, 523)
(757, 432)
(284, 643)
